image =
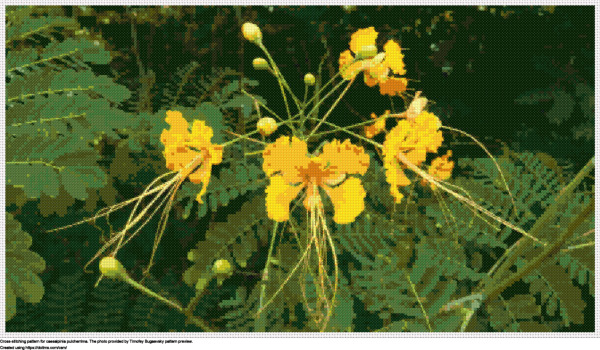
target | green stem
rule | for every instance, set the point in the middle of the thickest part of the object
(345, 129)
(40, 162)
(549, 214)
(412, 287)
(261, 320)
(196, 320)
(70, 53)
(44, 120)
(546, 253)
(316, 106)
(330, 109)
(286, 122)
(319, 91)
(281, 80)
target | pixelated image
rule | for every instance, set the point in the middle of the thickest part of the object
(299, 169)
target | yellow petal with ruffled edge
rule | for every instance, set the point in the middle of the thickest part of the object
(279, 197)
(348, 200)
(441, 168)
(177, 122)
(287, 156)
(363, 37)
(394, 57)
(344, 158)
(201, 135)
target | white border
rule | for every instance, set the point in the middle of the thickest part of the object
(356, 338)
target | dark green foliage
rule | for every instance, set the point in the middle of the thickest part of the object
(57, 106)
(222, 88)
(108, 306)
(534, 185)
(150, 315)
(22, 267)
(226, 186)
(29, 318)
(239, 237)
(65, 302)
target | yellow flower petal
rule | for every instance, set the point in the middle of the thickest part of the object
(363, 37)
(199, 175)
(378, 126)
(205, 179)
(287, 156)
(216, 154)
(395, 177)
(441, 167)
(348, 200)
(344, 158)
(279, 196)
(201, 134)
(177, 122)
(394, 57)
(393, 86)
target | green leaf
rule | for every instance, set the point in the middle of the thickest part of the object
(35, 179)
(22, 266)
(570, 296)
(76, 179)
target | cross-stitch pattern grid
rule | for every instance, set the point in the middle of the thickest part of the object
(299, 169)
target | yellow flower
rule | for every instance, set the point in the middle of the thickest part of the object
(378, 68)
(291, 169)
(414, 138)
(348, 68)
(183, 147)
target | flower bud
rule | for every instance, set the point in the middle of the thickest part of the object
(309, 79)
(252, 32)
(112, 268)
(367, 51)
(260, 63)
(266, 126)
(222, 267)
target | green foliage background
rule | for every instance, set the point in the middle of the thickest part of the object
(86, 93)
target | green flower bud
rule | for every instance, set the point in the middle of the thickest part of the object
(251, 32)
(260, 63)
(309, 79)
(266, 126)
(222, 267)
(367, 52)
(112, 268)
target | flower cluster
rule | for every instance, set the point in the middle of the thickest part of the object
(377, 69)
(291, 169)
(183, 148)
(289, 166)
